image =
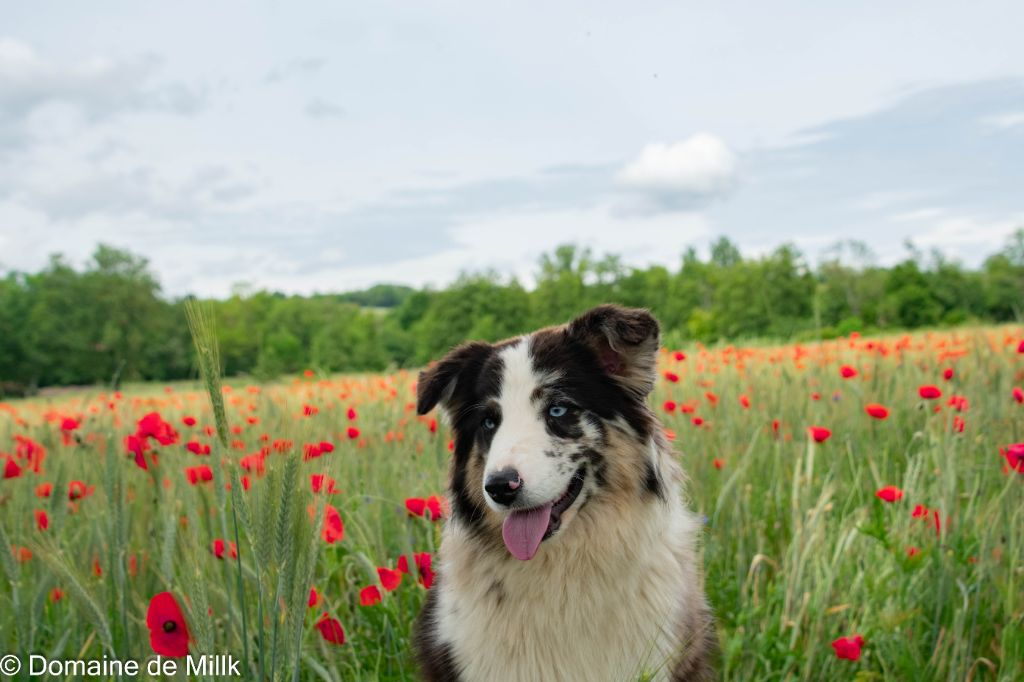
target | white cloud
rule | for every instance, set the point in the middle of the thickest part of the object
(952, 233)
(680, 175)
(1011, 119)
(918, 215)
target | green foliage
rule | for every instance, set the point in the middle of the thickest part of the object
(108, 322)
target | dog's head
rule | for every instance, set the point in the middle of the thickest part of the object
(539, 422)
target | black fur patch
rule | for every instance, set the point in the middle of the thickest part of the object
(652, 482)
(434, 657)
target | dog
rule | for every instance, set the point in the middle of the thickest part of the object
(569, 553)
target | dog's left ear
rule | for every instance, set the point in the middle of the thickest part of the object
(625, 341)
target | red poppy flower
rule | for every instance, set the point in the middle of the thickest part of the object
(322, 482)
(1014, 455)
(920, 511)
(1020, 347)
(197, 448)
(330, 629)
(672, 376)
(435, 507)
(912, 552)
(188, 421)
(848, 647)
(929, 392)
(402, 565)
(369, 595)
(889, 493)
(310, 410)
(219, 547)
(815, 396)
(326, 446)
(44, 489)
(333, 530)
(415, 505)
(1018, 394)
(876, 410)
(745, 402)
(389, 578)
(168, 632)
(42, 519)
(199, 474)
(698, 421)
(819, 433)
(947, 373)
(56, 594)
(352, 432)
(314, 598)
(11, 469)
(718, 463)
(351, 414)
(137, 446)
(78, 490)
(679, 356)
(153, 426)
(847, 372)
(423, 562)
(669, 406)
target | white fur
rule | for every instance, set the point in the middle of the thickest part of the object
(522, 438)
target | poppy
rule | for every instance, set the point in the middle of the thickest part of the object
(333, 530)
(44, 489)
(56, 594)
(322, 482)
(672, 376)
(11, 469)
(219, 547)
(326, 446)
(352, 433)
(423, 562)
(745, 402)
(153, 426)
(1018, 394)
(415, 505)
(920, 511)
(199, 474)
(889, 493)
(330, 629)
(314, 598)
(434, 504)
(1020, 347)
(912, 552)
(310, 410)
(197, 448)
(876, 410)
(847, 372)
(351, 414)
(929, 392)
(77, 490)
(389, 578)
(369, 595)
(138, 447)
(718, 463)
(698, 421)
(1014, 455)
(848, 647)
(42, 519)
(669, 406)
(819, 433)
(947, 374)
(402, 565)
(168, 632)
(188, 421)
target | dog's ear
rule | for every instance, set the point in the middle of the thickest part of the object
(625, 341)
(442, 382)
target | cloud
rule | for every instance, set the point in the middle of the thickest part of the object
(96, 89)
(321, 108)
(1011, 119)
(680, 176)
(295, 67)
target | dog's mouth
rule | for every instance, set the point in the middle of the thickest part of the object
(524, 529)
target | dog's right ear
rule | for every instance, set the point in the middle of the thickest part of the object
(444, 381)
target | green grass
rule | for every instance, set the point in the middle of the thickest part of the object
(798, 549)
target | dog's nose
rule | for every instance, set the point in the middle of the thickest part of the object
(503, 486)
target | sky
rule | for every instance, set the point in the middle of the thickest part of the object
(327, 146)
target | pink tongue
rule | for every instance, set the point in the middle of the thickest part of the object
(523, 531)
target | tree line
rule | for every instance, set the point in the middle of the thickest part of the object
(109, 322)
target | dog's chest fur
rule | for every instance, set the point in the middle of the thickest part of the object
(606, 602)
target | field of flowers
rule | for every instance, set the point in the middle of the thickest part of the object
(864, 505)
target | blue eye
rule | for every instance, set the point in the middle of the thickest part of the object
(557, 411)
(489, 424)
